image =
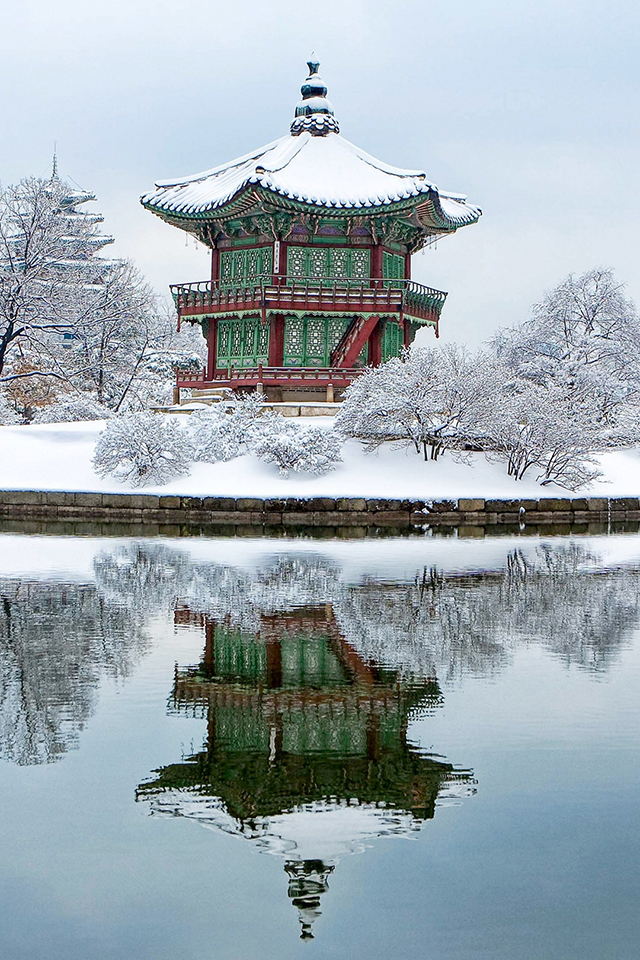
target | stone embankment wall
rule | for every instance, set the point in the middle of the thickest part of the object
(111, 513)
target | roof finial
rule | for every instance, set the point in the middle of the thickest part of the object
(314, 113)
(54, 170)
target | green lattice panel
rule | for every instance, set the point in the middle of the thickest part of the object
(244, 267)
(328, 263)
(392, 266)
(242, 342)
(392, 340)
(309, 341)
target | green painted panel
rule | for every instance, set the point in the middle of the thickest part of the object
(245, 266)
(242, 342)
(392, 340)
(309, 341)
(392, 266)
(329, 263)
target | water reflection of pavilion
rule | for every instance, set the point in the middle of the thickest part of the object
(306, 750)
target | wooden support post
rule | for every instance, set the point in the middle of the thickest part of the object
(212, 345)
(375, 346)
(176, 395)
(407, 266)
(215, 265)
(276, 341)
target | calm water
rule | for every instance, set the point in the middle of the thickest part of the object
(279, 749)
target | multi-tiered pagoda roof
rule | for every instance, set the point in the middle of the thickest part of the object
(311, 241)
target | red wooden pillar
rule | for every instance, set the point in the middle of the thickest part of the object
(406, 332)
(212, 345)
(215, 265)
(375, 345)
(407, 266)
(376, 261)
(276, 341)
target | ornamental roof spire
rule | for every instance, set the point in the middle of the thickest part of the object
(314, 113)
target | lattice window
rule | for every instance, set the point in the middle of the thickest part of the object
(293, 341)
(223, 339)
(339, 262)
(316, 341)
(239, 264)
(335, 331)
(297, 262)
(263, 342)
(226, 265)
(360, 264)
(266, 254)
(318, 262)
(392, 266)
(392, 340)
(254, 263)
(236, 339)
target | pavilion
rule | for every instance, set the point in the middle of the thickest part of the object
(311, 241)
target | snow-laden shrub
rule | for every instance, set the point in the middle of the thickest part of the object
(142, 449)
(70, 408)
(8, 413)
(302, 449)
(227, 429)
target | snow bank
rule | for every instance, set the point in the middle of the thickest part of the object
(58, 457)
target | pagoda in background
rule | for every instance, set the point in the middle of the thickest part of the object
(311, 242)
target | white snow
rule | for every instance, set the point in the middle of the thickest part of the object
(328, 170)
(58, 457)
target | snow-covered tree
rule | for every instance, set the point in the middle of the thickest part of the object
(428, 398)
(142, 449)
(228, 428)
(584, 339)
(72, 317)
(72, 407)
(532, 426)
(303, 449)
(8, 412)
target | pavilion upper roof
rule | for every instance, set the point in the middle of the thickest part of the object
(316, 167)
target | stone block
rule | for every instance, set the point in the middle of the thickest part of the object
(219, 503)
(251, 504)
(617, 504)
(527, 505)
(443, 506)
(471, 506)
(600, 504)
(59, 498)
(385, 506)
(554, 504)
(502, 506)
(579, 503)
(88, 499)
(191, 503)
(320, 503)
(272, 505)
(349, 504)
(20, 497)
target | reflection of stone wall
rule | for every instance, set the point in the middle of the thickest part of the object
(57, 640)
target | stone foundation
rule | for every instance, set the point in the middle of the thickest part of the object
(109, 513)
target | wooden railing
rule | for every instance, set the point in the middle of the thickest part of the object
(270, 376)
(275, 294)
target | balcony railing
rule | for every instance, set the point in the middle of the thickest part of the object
(274, 294)
(270, 376)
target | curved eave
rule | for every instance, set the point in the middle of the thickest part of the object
(429, 212)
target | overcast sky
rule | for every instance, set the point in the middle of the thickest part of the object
(529, 108)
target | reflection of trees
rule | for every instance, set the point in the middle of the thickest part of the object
(57, 640)
(451, 625)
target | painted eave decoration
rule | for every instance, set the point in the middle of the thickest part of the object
(313, 169)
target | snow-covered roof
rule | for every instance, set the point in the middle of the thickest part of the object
(326, 171)
(312, 165)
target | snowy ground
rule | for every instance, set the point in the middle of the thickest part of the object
(58, 457)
